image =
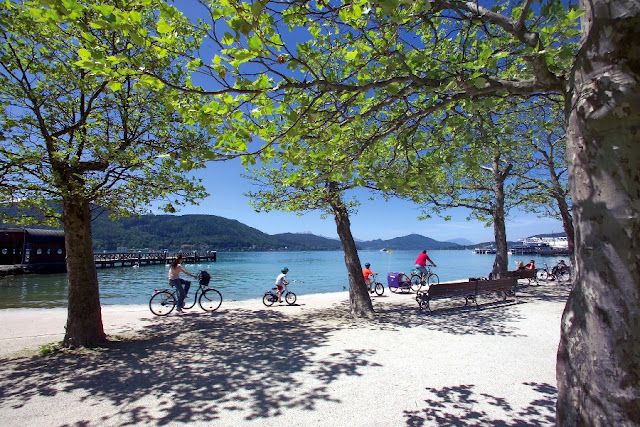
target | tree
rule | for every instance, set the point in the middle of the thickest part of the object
(395, 62)
(83, 128)
(295, 180)
(548, 171)
(478, 161)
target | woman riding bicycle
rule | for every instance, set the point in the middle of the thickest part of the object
(174, 280)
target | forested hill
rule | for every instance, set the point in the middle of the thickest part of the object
(171, 232)
(210, 232)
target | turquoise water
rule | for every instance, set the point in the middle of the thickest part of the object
(247, 275)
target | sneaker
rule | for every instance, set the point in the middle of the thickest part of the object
(179, 310)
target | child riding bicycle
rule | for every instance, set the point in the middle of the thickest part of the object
(368, 279)
(281, 282)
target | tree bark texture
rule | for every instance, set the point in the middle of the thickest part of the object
(84, 319)
(501, 261)
(598, 367)
(359, 299)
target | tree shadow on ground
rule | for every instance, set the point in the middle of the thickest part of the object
(460, 405)
(490, 317)
(194, 367)
(259, 363)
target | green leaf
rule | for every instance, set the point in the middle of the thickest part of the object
(115, 86)
(255, 43)
(84, 54)
(164, 27)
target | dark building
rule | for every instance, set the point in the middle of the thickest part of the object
(33, 249)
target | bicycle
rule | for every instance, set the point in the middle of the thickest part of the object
(418, 279)
(271, 297)
(163, 301)
(376, 286)
(562, 275)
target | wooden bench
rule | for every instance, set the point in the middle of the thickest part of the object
(505, 287)
(467, 290)
(524, 274)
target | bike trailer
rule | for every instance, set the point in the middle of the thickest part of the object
(393, 279)
(205, 277)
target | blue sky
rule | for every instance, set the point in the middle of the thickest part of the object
(375, 219)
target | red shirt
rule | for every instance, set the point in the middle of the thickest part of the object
(422, 260)
(366, 273)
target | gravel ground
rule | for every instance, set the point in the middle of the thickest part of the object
(303, 365)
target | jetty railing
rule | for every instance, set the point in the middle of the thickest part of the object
(123, 259)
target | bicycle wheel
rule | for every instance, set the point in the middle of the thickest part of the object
(416, 282)
(379, 288)
(433, 279)
(269, 298)
(542, 274)
(564, 276)
(210, 300)
(162, 303)
(290, 298)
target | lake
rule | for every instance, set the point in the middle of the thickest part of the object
(247, 275)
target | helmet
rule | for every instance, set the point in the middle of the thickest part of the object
(367, 265)
(284, 269)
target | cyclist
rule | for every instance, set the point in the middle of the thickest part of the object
(174, 280)
(281, 281)
(421, 263)
(367, 273)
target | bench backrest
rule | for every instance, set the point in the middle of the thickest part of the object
(495, 285)
(522, 274)
(452, 289)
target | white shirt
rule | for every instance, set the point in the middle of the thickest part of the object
(280, 278)
(174, 273)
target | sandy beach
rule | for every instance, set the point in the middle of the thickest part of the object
(309, 364)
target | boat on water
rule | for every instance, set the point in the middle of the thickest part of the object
(485, 250)
(552, 245)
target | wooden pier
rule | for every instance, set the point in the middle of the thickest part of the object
(140, 259)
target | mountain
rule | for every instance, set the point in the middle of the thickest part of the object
(461, 241)
(307, 241)
(412, 241)
(210, 232)
(173, 232)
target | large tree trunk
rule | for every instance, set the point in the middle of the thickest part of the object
(84, 319)
(598, 368)
(501, 261)
(359, 298)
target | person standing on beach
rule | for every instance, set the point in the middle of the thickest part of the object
(421, 262)
(174, 280)
(280, 282)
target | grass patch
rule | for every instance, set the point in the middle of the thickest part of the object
(51, 348)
